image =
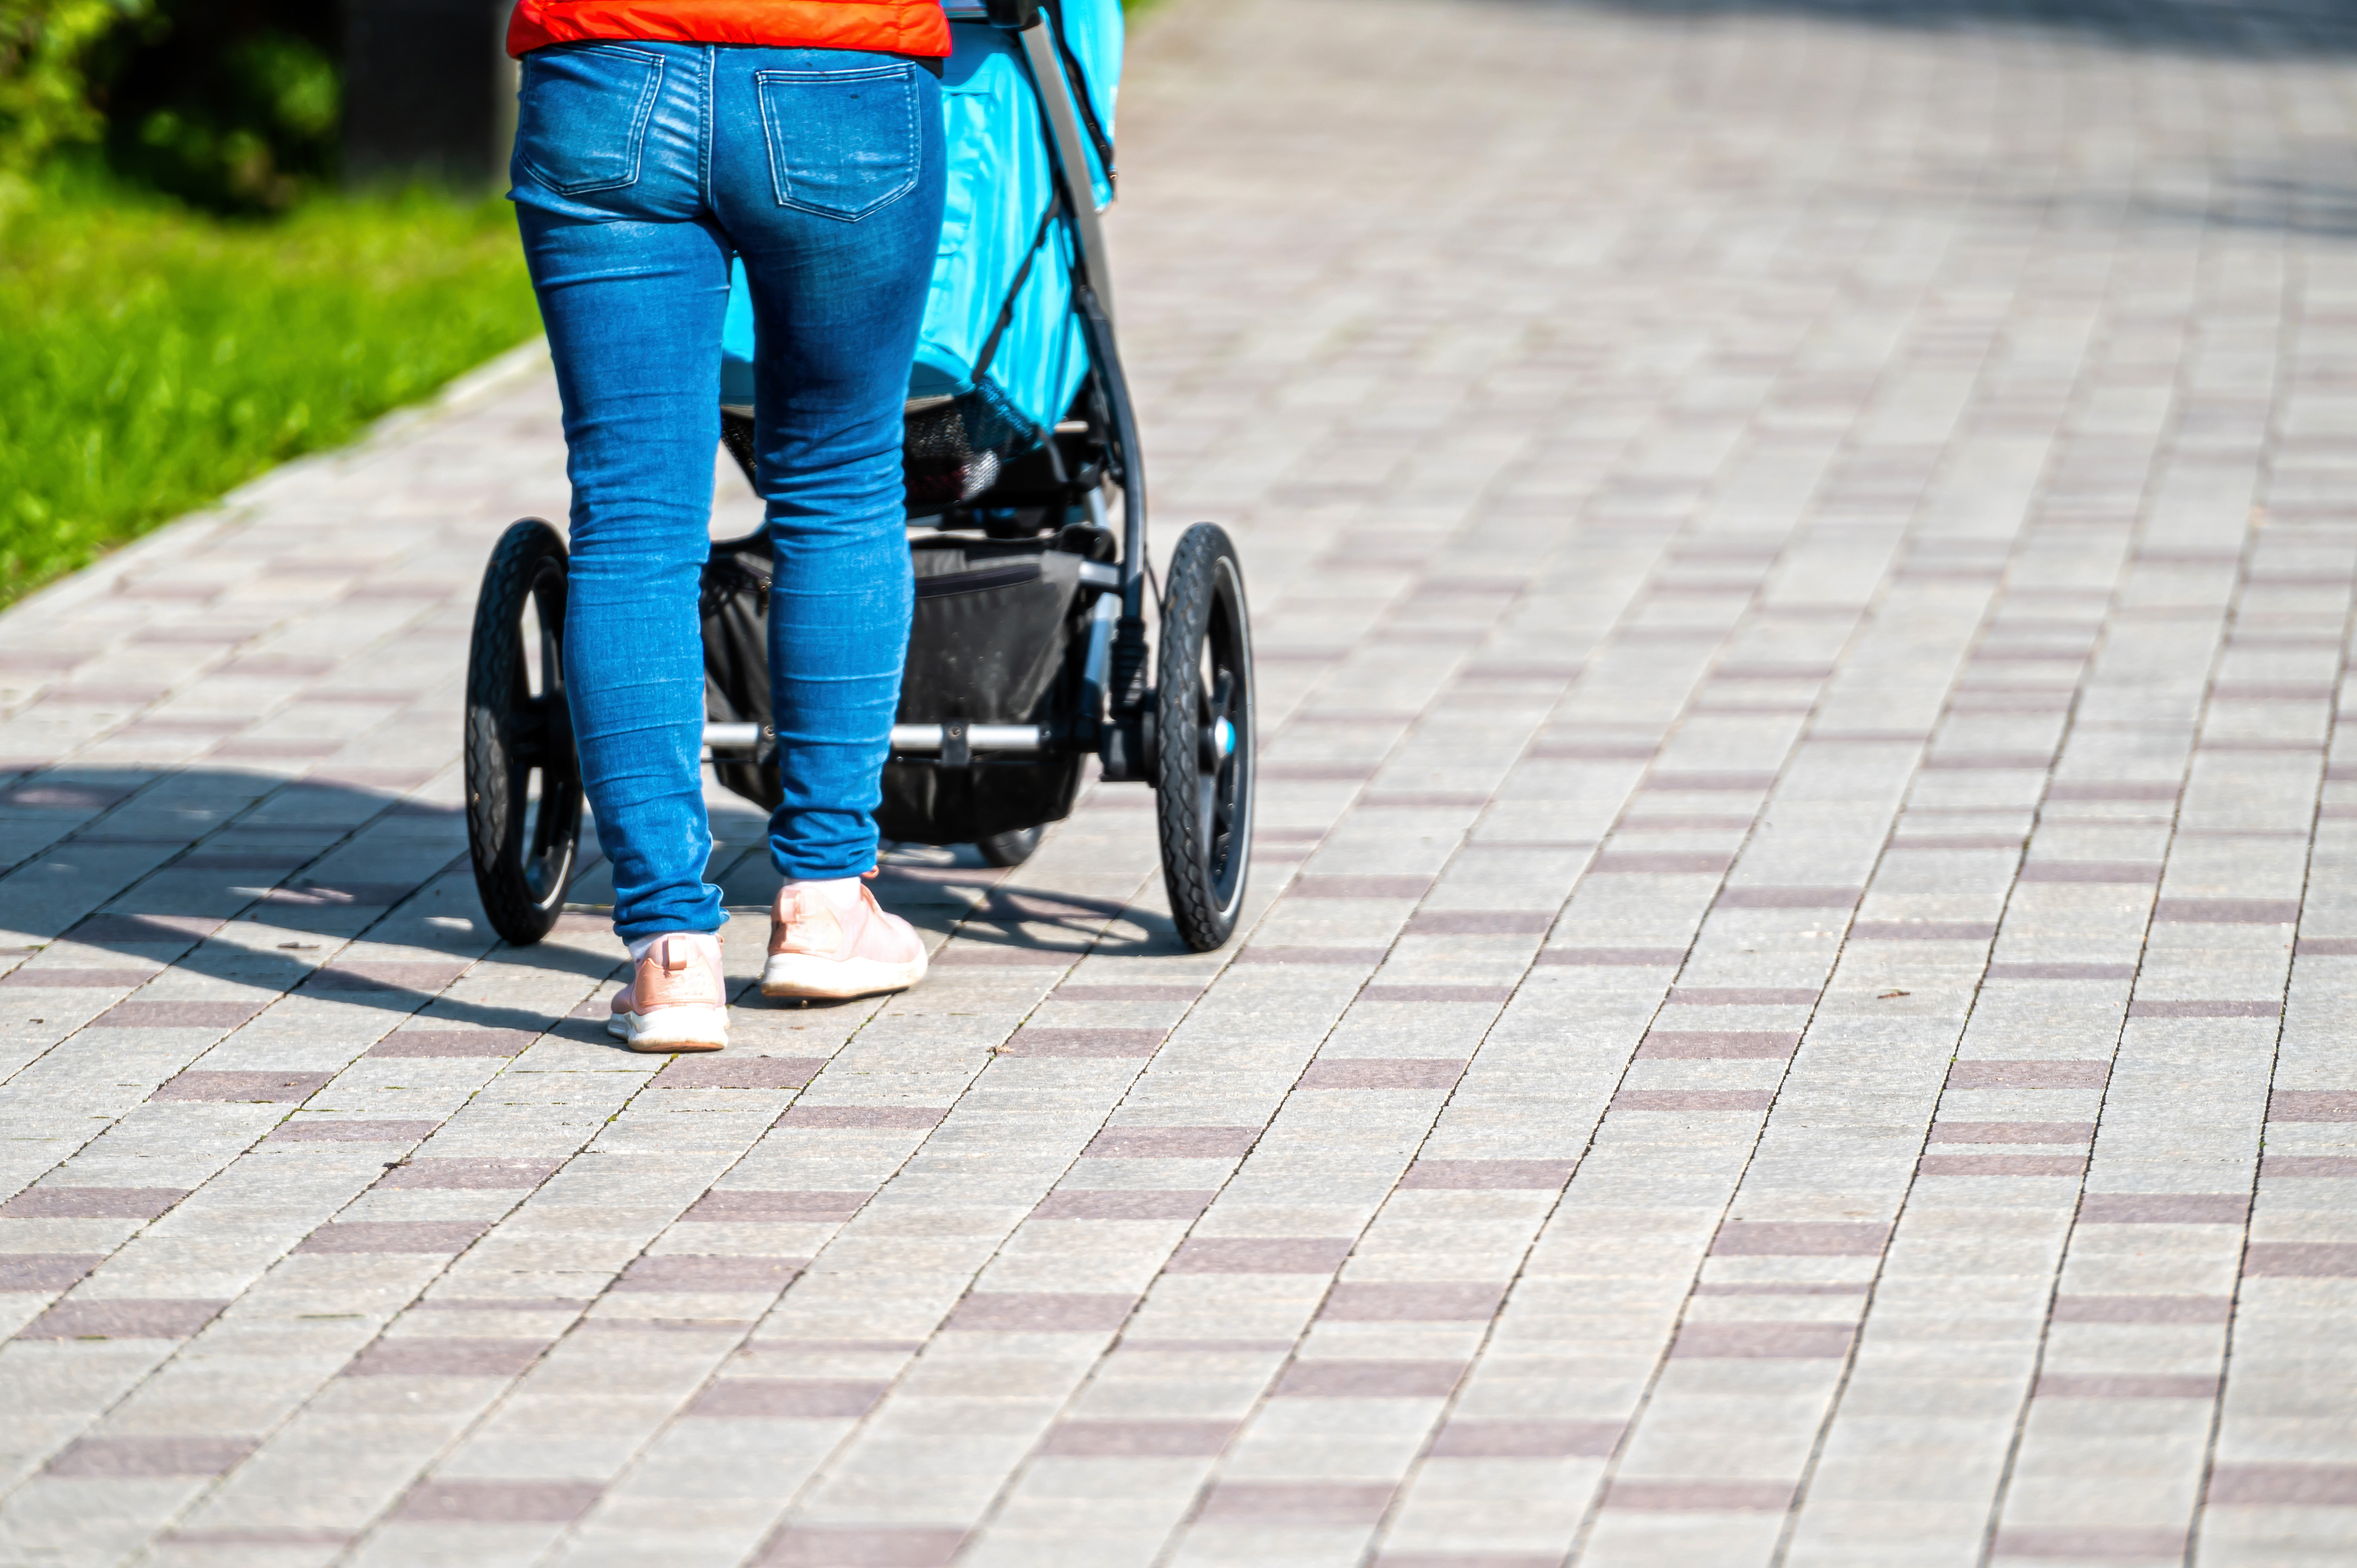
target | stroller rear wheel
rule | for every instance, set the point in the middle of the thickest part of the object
(1203, 738)
(523, 778)
(1010, 848)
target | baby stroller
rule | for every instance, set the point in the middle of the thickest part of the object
(1029, 651)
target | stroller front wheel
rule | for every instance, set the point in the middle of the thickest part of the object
(523, 778)
(1203, 738)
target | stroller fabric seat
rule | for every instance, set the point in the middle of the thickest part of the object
(997, 246)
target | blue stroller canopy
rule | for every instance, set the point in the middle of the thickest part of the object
(998, 243)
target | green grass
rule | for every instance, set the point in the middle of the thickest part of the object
(152, 358)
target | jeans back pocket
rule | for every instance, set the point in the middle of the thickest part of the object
(841, 143)
(581, 120)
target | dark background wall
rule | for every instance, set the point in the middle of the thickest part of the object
(244, 105)
(428, 91)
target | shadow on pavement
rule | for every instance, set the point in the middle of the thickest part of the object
(281, 870)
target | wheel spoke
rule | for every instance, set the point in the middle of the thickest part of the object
(528, 732)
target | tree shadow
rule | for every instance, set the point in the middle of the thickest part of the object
(2236, 30)
(2321, 204)
(281, 869)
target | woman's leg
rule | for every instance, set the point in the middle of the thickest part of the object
(632, 281)
(630, 308)
(828, 173)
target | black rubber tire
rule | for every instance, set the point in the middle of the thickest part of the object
(1203, 796)
(1012, 847)
(525, 847)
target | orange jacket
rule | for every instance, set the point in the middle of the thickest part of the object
(887, 26)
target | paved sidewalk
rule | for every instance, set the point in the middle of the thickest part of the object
(1802, 559)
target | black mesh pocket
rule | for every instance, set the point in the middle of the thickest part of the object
(999, 637)
(956, 446)
(735, 605)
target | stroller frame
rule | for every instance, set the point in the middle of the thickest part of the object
(1189, 732)
(1117, 647)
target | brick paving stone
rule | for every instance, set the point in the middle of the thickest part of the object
(121, 1456)
(497, 1502)
(2089, 1544)
(92, 1202)
(1695, 1497)
(43, 1271)
(1032, 1041)
(1022, 1311)
(418, 1356)
(2003, 1074)
(175, 1015)
(680, 1271)
(750, 1072)
(1136, 1439)
(46, 978)
(1800, 563)
(369, 1236)
(122, 1319)
(1541, 1175)
(1272, 1503)
(726, 1205)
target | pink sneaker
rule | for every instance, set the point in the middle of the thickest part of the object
(820, 951)
(677, 999)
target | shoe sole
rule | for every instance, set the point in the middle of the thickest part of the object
(688, 1027)
(812, 979)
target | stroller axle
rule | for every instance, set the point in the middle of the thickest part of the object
(911, 740)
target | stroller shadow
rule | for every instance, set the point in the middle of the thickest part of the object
(949, 890)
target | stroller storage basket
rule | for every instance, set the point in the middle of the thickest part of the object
(998, 638)
(735, 610)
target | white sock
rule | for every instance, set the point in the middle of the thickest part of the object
(640, 945)
(841, 893)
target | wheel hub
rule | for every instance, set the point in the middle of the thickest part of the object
(1219, 744)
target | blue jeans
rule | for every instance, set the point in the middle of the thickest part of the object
(641, 170)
